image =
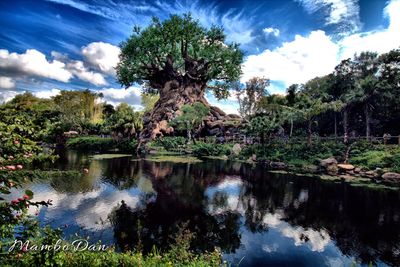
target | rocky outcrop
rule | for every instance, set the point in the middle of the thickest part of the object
(277, 165)
(391, 177)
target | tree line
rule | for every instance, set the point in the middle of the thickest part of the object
(359, 98)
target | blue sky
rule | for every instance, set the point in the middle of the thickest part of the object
(50, 45)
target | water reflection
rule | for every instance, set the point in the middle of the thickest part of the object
(254, 217)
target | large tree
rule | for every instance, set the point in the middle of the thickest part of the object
(178, 59)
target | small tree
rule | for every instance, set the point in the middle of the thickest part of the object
(191, 119)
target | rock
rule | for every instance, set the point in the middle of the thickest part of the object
(328, 161)
(332, 169)
(234, 116)
(391, 177)
(369, 174)
(357, 170)
(345, 167)
(277, 165)
(236, 149)
(329, 165)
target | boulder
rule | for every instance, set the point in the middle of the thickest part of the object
(391, 177)
(236, 149)
(332, 169)
(357, 170)
(329, 165)
(370, 174)
(277, 165)
(329, 161)
(345, 167)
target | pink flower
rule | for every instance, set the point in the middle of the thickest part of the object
(10, 157)
(16, 142)
(26, 197)
(15, 201)
(19, 166)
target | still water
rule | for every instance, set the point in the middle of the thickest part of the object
(255, 218)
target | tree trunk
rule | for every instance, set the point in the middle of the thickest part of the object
(291, 127)
(345, 125)
(335, 121)
(309, 133)
(173, 96)
(367, 121)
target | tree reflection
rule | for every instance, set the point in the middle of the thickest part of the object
(219, 201)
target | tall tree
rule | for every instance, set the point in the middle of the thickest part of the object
(179, 59)
(343, 85)
(249, 97)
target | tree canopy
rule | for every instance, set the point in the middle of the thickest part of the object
(179, 49)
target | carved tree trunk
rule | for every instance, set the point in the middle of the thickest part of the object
(172, 97)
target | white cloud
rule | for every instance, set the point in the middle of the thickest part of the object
(7, 95)
(296, 61)
(342, 12)
(272, 31)
(103, 56)
(77, 68)
(317, 54)
(47, 93)
(33, 62)
(6, 82)
(115, 96)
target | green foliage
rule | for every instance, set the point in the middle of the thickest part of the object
(191, 118)
(178, 47)
(372, 156)
(124, 122)
(250, 96)
(171, 143)
(294, 152)
(210, 149)
(93, 143)
(148, 101)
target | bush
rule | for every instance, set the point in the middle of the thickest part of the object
(91, 143)
(171, 143)
(127, 145)
(287, 152)
(210, 149)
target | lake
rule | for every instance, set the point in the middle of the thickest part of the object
(256, 218)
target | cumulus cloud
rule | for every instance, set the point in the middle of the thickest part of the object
(345, 14)
(6, 82)
(47, 93)
(103, 56)
(115, 96)
(77, 68)
(33, 62)
(317, 54)
(268, 31)
(296, 61)
(7, 95)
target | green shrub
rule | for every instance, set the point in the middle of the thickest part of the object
(127, 145)
(91, 143)
(171, 143)
(209, 149)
